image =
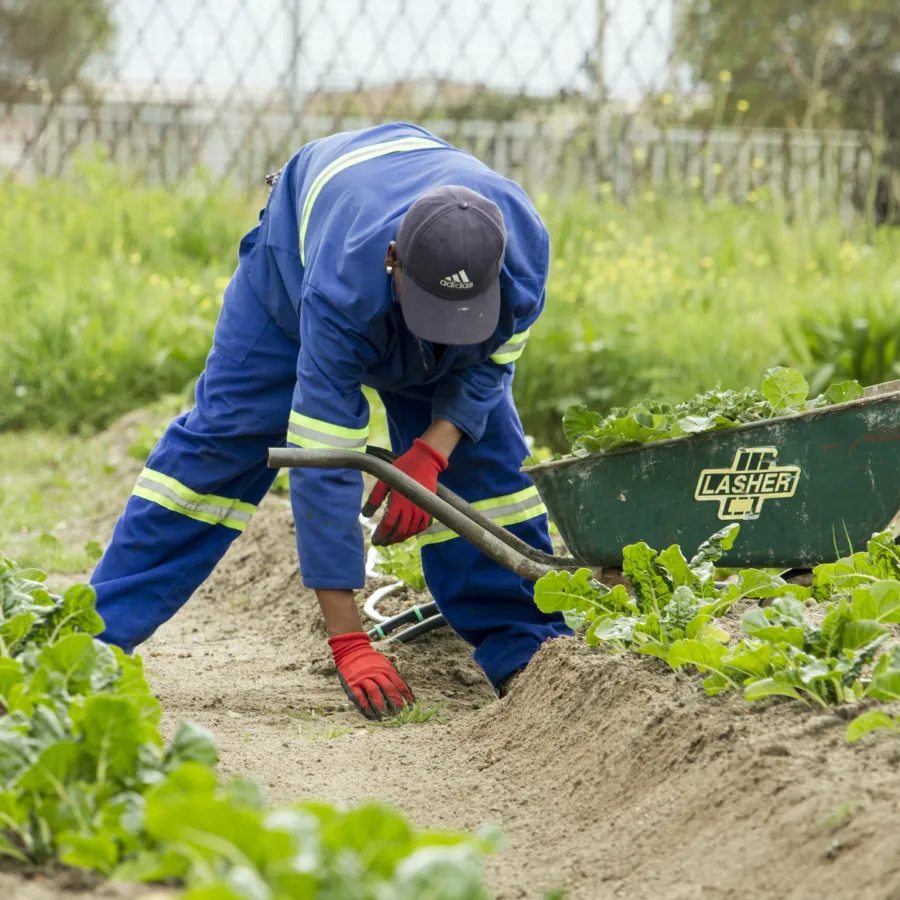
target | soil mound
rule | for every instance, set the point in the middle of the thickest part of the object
(630, 782)
(612, 776)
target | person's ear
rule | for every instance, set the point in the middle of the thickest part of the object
(390, 258)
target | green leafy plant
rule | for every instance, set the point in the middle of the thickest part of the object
(402, 561)
(675, 600)
(872, 720)
(85, 777)
(218, 837)
(783, 392)
(671, 614)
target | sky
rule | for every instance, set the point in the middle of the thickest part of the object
(531, 45)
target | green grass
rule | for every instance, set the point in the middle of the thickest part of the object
(109, 292)
(669, 297)
(418, 713)
(325, 733)
(60, 494)
(46, 482)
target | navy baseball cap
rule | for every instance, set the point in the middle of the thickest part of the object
(451, 245)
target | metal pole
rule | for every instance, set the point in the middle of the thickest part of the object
(294, 66)
(599, 54)
(601, 114)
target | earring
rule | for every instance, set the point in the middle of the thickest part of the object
(390, 269)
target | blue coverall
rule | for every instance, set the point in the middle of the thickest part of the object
(308, 318)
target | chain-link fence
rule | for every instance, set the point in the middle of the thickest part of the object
(800, 96)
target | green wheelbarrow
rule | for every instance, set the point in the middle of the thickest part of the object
(804, 488)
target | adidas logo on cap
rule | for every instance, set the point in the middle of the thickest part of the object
(459, 280)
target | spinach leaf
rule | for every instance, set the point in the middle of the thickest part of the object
(783, 391)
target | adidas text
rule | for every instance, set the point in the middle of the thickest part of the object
(459, 280)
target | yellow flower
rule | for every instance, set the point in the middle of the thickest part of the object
(743, 106)
(725, 76)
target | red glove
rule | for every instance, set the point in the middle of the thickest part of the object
(403, 519)
(368, 678)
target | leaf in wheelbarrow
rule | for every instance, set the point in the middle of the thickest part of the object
(785, 388)
(641, 427)
(700, 424)
(843, 392)
(579, 421)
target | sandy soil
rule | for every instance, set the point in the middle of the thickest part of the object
(612, 776)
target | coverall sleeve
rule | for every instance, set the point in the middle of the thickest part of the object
(329, 412)
(468, 396)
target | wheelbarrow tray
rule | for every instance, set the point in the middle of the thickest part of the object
(804, 488)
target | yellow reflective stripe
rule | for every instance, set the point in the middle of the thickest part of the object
(317, 434)
(512, 349)
(507, 500)
(212, 509)
(362, 154)
(509, 509)
(311, 444)
(328, 428)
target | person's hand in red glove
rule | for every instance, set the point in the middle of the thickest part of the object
(402, 518)
(368, 678)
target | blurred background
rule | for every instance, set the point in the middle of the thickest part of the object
(719, 178)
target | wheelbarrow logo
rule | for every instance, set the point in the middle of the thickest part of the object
(752, 479)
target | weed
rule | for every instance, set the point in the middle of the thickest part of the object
(418, 713)
(841, 816)
(328, 733)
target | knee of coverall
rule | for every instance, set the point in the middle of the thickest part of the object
(158, 557)
(490, 607)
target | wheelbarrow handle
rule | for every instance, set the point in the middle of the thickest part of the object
(486, 522)
(445, 506)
